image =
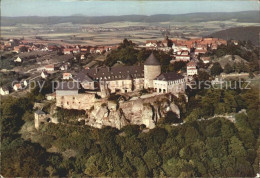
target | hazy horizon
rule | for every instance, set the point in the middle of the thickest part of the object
(122, 15)
(18, 8)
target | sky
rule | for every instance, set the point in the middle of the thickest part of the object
(115, 8)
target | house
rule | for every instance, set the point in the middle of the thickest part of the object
(200, 51)
(151, 43)
(49, 68)
(17, 86)
(192, 68)
(25, 83)
(53, 48)
(169, 83)
(214, 46)
(82, 57)
(4, 91)
(107, 48)
(235, 42)
(17, 49)
(76, 50)
(64, 67)
(205, 60)
(67, 51)
(51, 96)
(180, 48)
(67, 88)
(165, 43)
(66, 76)
(84, 50)
(44, 74)
(183, 56)
(18, 59)
(92, 50)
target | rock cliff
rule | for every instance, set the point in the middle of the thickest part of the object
(137, 111)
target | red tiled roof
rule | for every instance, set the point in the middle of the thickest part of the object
(191, 63)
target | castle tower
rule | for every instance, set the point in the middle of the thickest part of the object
(152, 68)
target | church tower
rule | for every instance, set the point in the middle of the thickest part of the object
(152, 69)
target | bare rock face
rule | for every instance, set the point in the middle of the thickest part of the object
(174, 108)
(147, 111)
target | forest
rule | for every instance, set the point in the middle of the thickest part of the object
(200, 147)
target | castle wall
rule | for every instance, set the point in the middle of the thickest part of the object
(80, 101)
(124, 85)
(174, 87)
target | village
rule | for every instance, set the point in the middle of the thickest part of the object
(129, 88)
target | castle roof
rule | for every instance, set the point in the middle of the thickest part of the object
(115, 73)
(68, 86)
(39, 112)
(151, 60)
(83, 77)
(170, 76)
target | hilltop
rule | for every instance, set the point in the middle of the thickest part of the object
(245, 16)
(239, 33)
(228, 59)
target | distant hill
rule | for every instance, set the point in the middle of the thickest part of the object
(228, 59)
(240, 33)
(246, 16)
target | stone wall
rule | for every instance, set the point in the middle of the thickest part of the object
(101, 112)
(81, 101)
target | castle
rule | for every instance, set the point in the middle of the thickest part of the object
(125, 79)
(103, 81)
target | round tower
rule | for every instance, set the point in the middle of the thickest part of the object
(152, 69)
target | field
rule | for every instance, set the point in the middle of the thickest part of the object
(113, 33)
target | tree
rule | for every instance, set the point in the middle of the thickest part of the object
(23, 49)
(179, 65)
(169, 43)
(228, 69)
(170, 117)
(152, 159)
(216, 69)
(251, 75)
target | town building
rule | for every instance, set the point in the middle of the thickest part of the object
(192, 68)
(18, 59)
(205, 60)
(67, 51)
(4, 91)
(51, 96)
(17, 86)
(152, 43)
(44, 74)
(183, 56)
(66, 76)
(49, 68)
(64, 67)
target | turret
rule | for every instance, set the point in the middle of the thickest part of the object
(152, 69)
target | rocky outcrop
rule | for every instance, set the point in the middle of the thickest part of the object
(147, 111)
